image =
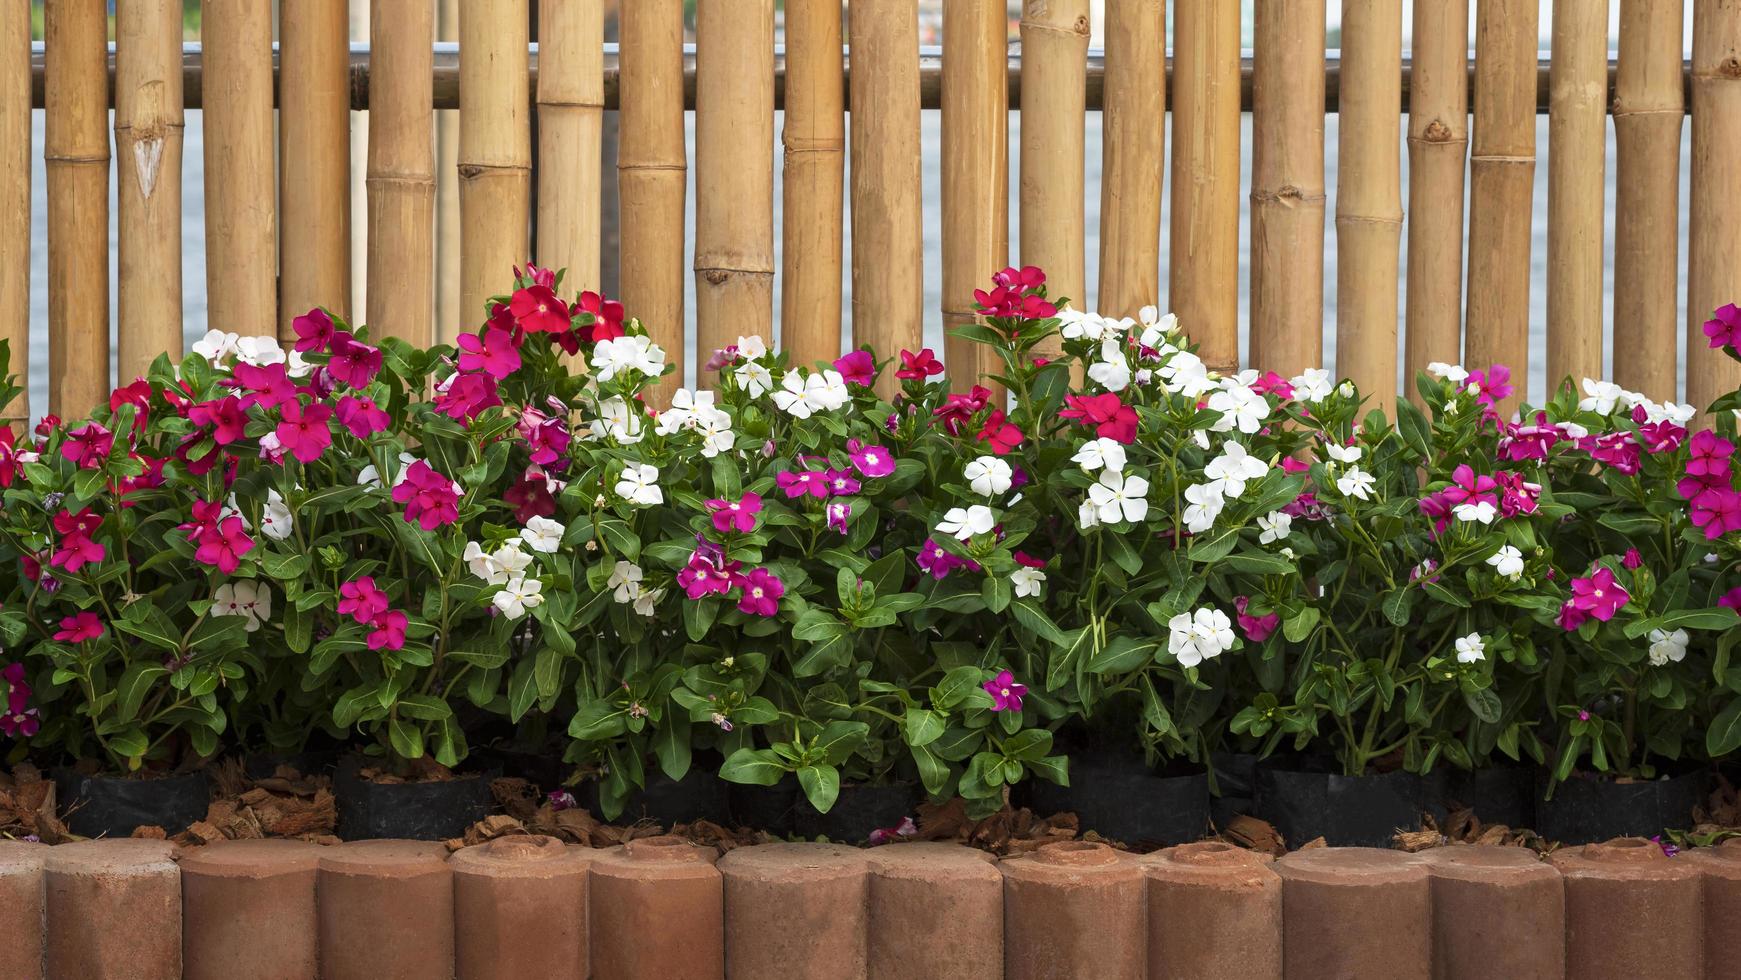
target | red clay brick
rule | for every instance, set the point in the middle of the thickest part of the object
(1492, 906)
(1356, 912)
(114, 910)
(936, 913)
(248, 910)
(21, 908)
(796, 910)
(520, 909)
(1631, 911)
(1215, 911)
(1721, 867)
(386, 911)
(657, 912)
(1074, 909)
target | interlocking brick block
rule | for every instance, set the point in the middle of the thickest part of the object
(1356, 912)
(657, 912)
(1074, 909)
(796, 910)
(248, 909)
(1631, 911)
(520, 909)
(1215, 911)
(21, 909)
(386, 911)
(114, 910)
(1492, 906)
(1721, 867)
(936, 913)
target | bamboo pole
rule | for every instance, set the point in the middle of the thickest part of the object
(734, 165)
(1714, 209)
(241, 211)
(1577, 167)
(1134, 156)
(1053, 225)
(314, 246)
(401, 180)
(15, 200)
(148, 121)
(1501, 182)
(448, 321)
(1287, 186)
(976, 174)
(814, 142)
(495, 149)
(1438, 144)
(1369, 198)
(358, 174)
(1203, 279)
(571, 100)
(652, 167)
(1649, 111)
(76, 164)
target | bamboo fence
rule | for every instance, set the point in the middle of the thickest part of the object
(1714, 207)
(76, 168)
(571, 112)
(976, 173)
(1053, 145)
(1203, 282)
(1577, 166)
(148, 137)
(652, 169)
(1649, 114)
(401, 174)
(359, 170)
(314, 162)
(1287, 186)
(447, 312)
(15, 196)
(814, 182)
(495, 150)
(1133, 148)
(241, 222)
(1438, 146)
(888, 259)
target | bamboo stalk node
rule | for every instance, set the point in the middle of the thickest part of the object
(1438, 132)
(1080, 28)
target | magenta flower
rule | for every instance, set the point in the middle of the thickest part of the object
(871, 461)
(738, 515)
(708, 573)
(362, 416)
(546, 438)
(957, 409)
(1273, 383)
(1467, 488)
(1256, 628)
(1717, 511)
(224, 416)
(1517, 495)
(267, 387)
(1571, 617)
(1632, 559)
(918, 367)
(538, 310)
(388, 630)
(80, 627)
(76, 549)
(762, 590)
(304, 431)
(1492, 385)
(886, 835)
(20, 722)
(467, 396)
(1732, 599)
(837, 514)
(1006, 694)
(1615, 449)
(88, 445)
(431, 500)
(1520, 442)
(361, 599)
(858, 368)
(1599, 595)
(842, 484)
(494, 354)
(222, 546)
(798, 483)
(1724, 327)
(1709, 455)
(353, 362)
(314, 331)
(1004, 437)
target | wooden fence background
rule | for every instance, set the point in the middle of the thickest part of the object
(274, 255)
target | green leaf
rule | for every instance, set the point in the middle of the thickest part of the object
(933, 771)
(1300, 625)
(1724, 735)
(620, 537)
(406, 739)
(1397, 604)
(671, 745)
(135, 683)
(1028, 744)
(151, 625)
(284, 567)
(424, 707)
(598, 721)
(753, 767)
(1208, 549)
(956, 686)
(1122, 653)
(1485, 704)
(1030, 615)
(547, 673)
(1714, 618)
(839, 739)
(821, 786)
(823, 657)
(922, 727)
(522, 690)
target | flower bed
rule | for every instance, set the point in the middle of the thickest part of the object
(810, 582)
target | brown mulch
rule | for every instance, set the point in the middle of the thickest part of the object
(528, 811)
(286, 804)
(27, 807)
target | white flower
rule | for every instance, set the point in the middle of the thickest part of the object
(243, 597)
(627, 353)
(1074, 325)
(1156, 328)
(1240, 407)
(509, 558)
(542, 535)
(1275, 526)
(1480, 511)
(1453, 373)
(1234, 467)
(1470, 649)
(1600, 396)
(1203, 504)
(647, 603)
(275, 519)
(988, 476)
(1355, 483)
(519, 595)
(1112, 374)
(685, 407)
(827, 391)
(482, 565)
(1196, 637)
(1185, 374)
(216, 346)
(368, 476)
(965, 523)
(1087, 515)
(714, 428)
(1665, 647)
(619, 420)
(1312, 385)
(1507, 561)
(1343, 454)
(639, 484)
(789, 397)
(754, 378)
(259, 351)
(1102, 452)
(1028, 581)
(752, 347)
(626, 581)
(1120, 497)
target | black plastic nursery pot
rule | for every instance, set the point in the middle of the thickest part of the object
(428, 810)
(1234, 785)
(1497, 795)
(113, 806)
(773, 809)
(1305, 803)
(310, 762)
(859, 811)
(1122, 798)
(1588, 809)
(699, 795)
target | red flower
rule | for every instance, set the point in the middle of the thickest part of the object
(224, 416)
(76, 547)
(918, 366)
(607, 317)
(539, 275)
(138, 395)
(467, 396)
(1027, 278)
(314, 331)
(9, 461)
(1002, 436)
(221, 546)
(88, 445)
(957, 409)
(361, 599)
(305, 432)
(494, 353)
(80, 627)
(389, 630)
(531, 497)
(1111, 418)
(537, 310)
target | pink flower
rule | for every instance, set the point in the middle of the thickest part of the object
(1273, 383)
(389, 630)
(467, 396)
(314, 331)
(538, 275)
(361, 416)
(798, 483)
(958, 409)
(304, 431)
(1492, 385)
(1717, 511)
(1709, 455)
(739, 515)
(872, 461)
(138, 395)
(1292, 465)
(1615, 449)
(1111, 417)
(857, 368)
(431, 500)
(837, 514)
(494, 353)
(842, 484)
(1732, 599)
(1571, 617)
(546, 438)
(1724, 327)
(1256, 628)
(537, 310)
(362, 600)
(353, 362)
(886, 835)
(76, 549)
(1517, 495)
(1467, 488)
(762, 590)
(1520, 442)
(708, 573)
(1599, 595)
(939, 563)
(88, 446)
(224, 416)
(10, 461)
(1632, 559)
(918, 367)
(267, 387)
(1002, 436)
(221, 546)
(1027, 278)
(80, 627)
(1006, 694)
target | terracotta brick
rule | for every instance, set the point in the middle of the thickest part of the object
(114, 910)
(1355, 912)
(936, 913)
(1631, 911)
(21, 908)
(386, 911)
(520, 909)
(1215, 911)
(1074, 909)
(657, 912)
(797, 911)
(1492, 906)
(248, 910)
(1721, 867)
